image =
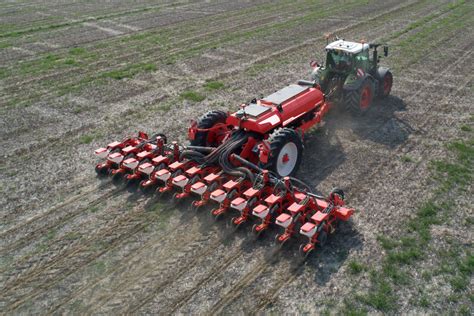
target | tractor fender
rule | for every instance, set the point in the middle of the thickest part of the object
(381, 72)
(353, 82)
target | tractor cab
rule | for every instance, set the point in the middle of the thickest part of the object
(343, 56)
(352, 75)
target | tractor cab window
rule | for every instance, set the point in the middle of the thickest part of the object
(362, 60)
(338, 59)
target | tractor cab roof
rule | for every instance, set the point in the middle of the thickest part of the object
(346, 46)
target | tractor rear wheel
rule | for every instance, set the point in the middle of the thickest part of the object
(358, 101)
(385, 85)
(286, 149)
(208, 120)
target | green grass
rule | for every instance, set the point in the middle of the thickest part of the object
(72, 236)
(214, 85)
(78, 51)
(356, 267)
(9, 33)
(424, 301)
(4, 72)
(464, 270)
(466, 128)
(412, 243)
(193, 96)
(94, 209)
(48, 62)
(397, 275)
(86, 139)
(71, 62)
(406, 158)
(4, 45)
(387, 243)
(129, 71)
(165, 106)
(457, 173)
(100, 267)
(381, 296)
(50, 234)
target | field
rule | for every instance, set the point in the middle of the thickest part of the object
(77, 75)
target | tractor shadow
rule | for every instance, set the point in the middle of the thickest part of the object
(323, 153)
(328, 260)
(379, 124)
(322, 262)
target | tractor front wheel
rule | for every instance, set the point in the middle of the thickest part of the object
(385, 85)
(358, 101)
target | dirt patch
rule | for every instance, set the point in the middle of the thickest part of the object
(71, 243)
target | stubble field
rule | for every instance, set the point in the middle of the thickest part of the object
(75, 76)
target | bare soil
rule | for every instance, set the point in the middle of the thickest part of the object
(72, 243)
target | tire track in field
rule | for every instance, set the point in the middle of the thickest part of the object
(51, 142)
(30, 235)
(159, 277)
(355, 194)
(53, 272)
(15, 229)
(71, 22)
(252, 275)
(139, 252)
(222, 15)
(152, 58)
(375, 17)
(234, 70)
(148, 53)
(125, 217)
(149, 296)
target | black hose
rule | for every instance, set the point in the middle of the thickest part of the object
(306, 186)
(192, 155)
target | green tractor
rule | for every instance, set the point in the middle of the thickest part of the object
(352, 76)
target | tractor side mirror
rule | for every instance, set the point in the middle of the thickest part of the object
(385, 51)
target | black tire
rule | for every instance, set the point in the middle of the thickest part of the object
(279, 244)
(208, 120)
(117, 178)
(163, 136)
(339, 192)
(304, 255)
(385, 85)
(101, 172)
(233, 225)
(196, 208)
(278, 140)
(146, 190)
(131, 184)
(355, 100)
(257, 234)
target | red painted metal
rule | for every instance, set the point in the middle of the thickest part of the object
(261, 199)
